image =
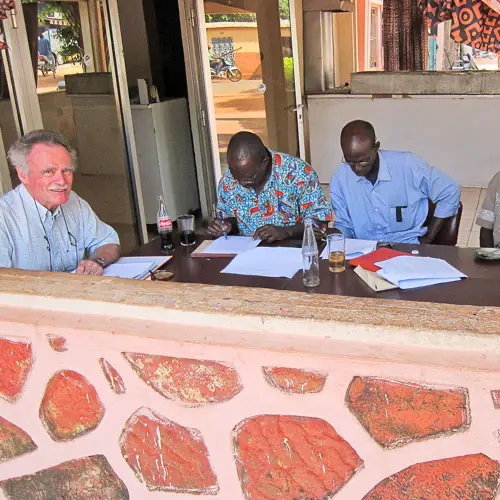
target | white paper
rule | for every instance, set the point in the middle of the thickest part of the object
(273, 262)
(413, 272)
(233, 245)
(135, 267)
(132, 270)
(354, 248)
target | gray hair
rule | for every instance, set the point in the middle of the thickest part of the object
(21, 149)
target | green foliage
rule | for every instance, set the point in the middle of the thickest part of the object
(289, 78)
(284, 6)
(69, 41)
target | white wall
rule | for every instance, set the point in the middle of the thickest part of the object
(457, 134)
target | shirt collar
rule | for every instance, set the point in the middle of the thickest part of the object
(30, 201)
(383, 170)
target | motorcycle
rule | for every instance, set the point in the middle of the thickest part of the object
(221, 67)
(46, 67)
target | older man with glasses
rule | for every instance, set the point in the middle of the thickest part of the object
(384, 195)
(45, 226)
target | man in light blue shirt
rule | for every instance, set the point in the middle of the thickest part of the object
(384, 195)
(45, 226)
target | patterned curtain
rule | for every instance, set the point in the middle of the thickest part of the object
(5, 5)
(404, 36)
(474, 22)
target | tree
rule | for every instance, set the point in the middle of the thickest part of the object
(284, 7)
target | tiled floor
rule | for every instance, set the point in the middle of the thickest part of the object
(472, 199)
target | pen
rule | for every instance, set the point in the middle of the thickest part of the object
(315, 224)
(222, 220)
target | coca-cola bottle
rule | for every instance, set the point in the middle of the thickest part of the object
(164, 226)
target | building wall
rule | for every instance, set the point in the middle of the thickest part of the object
(128, 395)
(248, 58)
(424, 125)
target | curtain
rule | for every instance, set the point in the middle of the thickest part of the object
(474, 22)
(404, 36)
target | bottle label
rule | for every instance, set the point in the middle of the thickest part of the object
(165, 224)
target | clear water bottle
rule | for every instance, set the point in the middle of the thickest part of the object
(310, 256)
(164, 223)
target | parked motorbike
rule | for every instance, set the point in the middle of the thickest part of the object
(223, 68)
(46, 66)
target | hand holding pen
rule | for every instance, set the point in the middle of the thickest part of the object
(219, 227)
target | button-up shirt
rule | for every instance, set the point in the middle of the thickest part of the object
(489, 214)
(291, 194)
(32, 237)
(396, 206)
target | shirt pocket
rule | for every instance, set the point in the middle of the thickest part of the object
(401, 214)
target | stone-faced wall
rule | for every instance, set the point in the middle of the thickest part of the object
(115, 416)
(111, 389)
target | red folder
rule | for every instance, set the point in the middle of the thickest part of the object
(368, 261)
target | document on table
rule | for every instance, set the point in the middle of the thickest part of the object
(354, 248)
(414, 272)
(233, 245)
(273, 262)
(135, 267)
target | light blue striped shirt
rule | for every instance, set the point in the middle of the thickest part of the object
(32, 237)
(367, 211)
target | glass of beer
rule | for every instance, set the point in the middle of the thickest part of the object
(185, 224)
(336, 252)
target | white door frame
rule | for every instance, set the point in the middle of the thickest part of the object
(202, 121)
(201, 102)
(299, 100)
(24, 99)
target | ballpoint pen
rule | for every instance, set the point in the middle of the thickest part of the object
(222, 220)
(315, 224)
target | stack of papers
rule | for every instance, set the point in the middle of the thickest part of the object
(232, 245)
(413, 272)
(354, 248)
(137, 268)
(272, 262)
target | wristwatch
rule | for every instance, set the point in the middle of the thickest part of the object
(100, 261)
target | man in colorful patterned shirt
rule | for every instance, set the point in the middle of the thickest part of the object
(267, 194)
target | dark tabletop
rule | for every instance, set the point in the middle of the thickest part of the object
(482, 287)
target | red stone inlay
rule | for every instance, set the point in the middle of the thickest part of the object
(57, 343)
(112, 376)
(293, 380)
(495, 395)
(468, 477)
(167, 456)
(14, 442)
(70, 406)
(16, 359)
(396, 413)
(89, 478)
(190, 381)
(290, 457)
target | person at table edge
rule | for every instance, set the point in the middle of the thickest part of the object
(384, 195)
(267, 194)
(488, 216)
(44, 226)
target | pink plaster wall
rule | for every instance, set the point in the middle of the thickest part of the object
(215, 422)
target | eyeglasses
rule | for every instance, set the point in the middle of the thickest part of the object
(364, 163)
(71, 238)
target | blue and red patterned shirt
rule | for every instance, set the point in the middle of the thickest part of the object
(291, 194)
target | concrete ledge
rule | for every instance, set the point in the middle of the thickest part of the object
(460, 336)
(426, 82)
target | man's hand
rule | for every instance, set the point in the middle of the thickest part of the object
(89, 267)
(218, 227)
(270, 234)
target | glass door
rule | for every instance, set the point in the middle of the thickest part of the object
(75, 75)
(253, 73)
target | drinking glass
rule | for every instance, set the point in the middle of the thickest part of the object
(336, 252)
(185, 224)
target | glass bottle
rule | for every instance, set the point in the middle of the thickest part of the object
(310, 256)
(164, 223)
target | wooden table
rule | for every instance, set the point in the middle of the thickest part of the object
(482, 287)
